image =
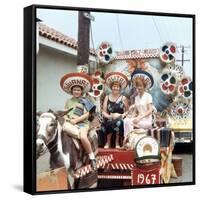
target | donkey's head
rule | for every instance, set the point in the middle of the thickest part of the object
(48, 124)
(46, 131)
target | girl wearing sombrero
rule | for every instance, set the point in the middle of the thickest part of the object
(142, 113)
(77, 123)
(114, 106)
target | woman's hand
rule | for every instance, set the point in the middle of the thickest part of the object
(136, 120)
(124, 115)
(132, 107)
(115, 115)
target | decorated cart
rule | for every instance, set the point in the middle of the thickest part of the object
(171, 89)
(148, 158)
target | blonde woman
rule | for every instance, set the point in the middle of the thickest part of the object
(142, 109)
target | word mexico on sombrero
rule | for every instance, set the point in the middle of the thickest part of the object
(116, 77)
(76, 79)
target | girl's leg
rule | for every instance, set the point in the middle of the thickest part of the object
(117, 145)
(71, 130)
(119, 132)
(87, 146)
(84, 140)
(108, 141)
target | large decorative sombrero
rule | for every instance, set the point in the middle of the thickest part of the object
(168, 82)
(97, 85)
(116, 77)
(167, 52)
(175, 69)
(105, 52)
(180, 109)
(76, 79)
(147, 77)
(185, 88)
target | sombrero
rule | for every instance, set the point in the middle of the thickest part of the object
(105, 52)
(180, 109)
(147, 151)
(116, 77)
(76, 79)
(167, 52)
(147, 77)
(185, 88)
(168, 82)
(97, 85)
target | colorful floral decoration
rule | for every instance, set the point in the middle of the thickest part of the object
(105, 53)
(97, 85)
(180, 110)
(167, 52)
(185, 88)
(168, 82)
(176, 69)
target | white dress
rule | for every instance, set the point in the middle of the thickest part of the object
(141, 104)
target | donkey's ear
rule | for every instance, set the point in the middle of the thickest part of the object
(38, 113)
(61, 120)
(60, 116)
(51, 111)
(61, 113)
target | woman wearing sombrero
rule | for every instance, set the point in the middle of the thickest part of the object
(142, 113)
(114, 106)
(79, 109)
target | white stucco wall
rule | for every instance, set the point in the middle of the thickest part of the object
(51, 66)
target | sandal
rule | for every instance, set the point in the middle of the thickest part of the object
(93, 164)
(118, 147)
(106, 146)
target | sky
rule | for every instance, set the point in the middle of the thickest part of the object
(127, 31)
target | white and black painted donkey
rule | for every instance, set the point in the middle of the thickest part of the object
(64, 151)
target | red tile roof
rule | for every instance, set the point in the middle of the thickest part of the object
(137, 54)
(52, 34)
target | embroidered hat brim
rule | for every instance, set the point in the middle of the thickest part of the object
(76, 79)
(116, 77)
(144, 75)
